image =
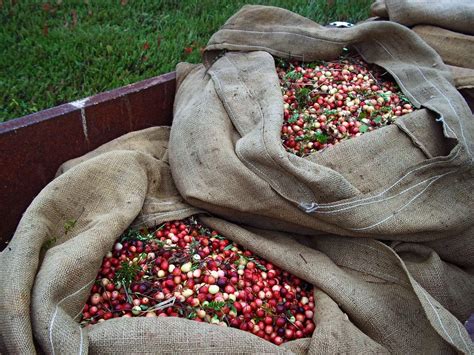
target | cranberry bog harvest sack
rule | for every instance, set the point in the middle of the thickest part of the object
(410, 293)
(408, 181)
(368, 297)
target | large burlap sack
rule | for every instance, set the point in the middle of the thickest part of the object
(368, 300)
(410, 181)
(455, 15)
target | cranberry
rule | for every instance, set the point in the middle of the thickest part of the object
(250, 296)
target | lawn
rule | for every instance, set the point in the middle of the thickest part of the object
(62, 50)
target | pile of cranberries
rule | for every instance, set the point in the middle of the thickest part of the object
(327, 102)
(184, 269)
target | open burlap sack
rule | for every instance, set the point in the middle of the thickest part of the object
(367, 299)
(455, 15)
(410, 181)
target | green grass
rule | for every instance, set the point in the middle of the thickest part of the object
(62, 50)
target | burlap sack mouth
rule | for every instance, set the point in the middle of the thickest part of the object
(50, 265)
(427, 151)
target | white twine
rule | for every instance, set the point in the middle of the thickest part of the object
(163, 305)
(437, 315)
(441, 93)
(56, 312)
(404, 206)
(314, 206)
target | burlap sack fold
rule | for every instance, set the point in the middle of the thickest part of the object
(463, 77)
(455, 15)
(454, 43)
(455, 48)
(410, 181)
(379, 9)
(366, 301)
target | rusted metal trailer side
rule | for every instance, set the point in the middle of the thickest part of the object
(33, 147)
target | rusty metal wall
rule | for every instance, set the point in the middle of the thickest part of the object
(33, 147)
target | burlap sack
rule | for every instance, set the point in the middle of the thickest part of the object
(455, 48)
(379, 9)
(367, 299)
(463, 77)
(410, 181)
(428, 18)
(371, 297)
(455, 15)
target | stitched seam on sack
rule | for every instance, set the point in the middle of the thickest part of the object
(286, 33)
(82, 339)
(391, 187)
(437, 315)
(443, 121)
(404, 206)
(78, 314)
(56, 311)
(462, 338)
(382, 200)
(437, 89)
